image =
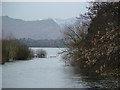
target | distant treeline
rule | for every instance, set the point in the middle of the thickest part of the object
(42, 42)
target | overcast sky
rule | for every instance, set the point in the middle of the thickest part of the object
(43, 10)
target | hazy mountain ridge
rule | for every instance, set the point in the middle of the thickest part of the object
(63, 22)
(39, 29)
(42, 42)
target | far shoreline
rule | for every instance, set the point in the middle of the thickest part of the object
(44, 47)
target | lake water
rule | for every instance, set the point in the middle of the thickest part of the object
(50, 72)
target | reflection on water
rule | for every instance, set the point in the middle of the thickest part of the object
(96, 81)
(50, 72)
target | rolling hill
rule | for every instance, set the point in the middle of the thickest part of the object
(38, 29)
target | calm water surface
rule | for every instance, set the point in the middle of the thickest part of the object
(50, 72)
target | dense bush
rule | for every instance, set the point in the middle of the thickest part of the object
(94, 45)
(14, 50)
(41, 53)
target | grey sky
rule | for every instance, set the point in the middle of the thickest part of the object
(43, 10)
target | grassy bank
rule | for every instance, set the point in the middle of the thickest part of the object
(14, 50)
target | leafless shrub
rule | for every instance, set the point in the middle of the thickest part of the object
(41, 53)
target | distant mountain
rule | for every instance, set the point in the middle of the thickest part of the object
(42, 42)
(63, 22)
(39, 29)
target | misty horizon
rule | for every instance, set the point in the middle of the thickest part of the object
(38, 10)
(38, 19)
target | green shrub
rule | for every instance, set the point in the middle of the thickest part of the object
(14, 50)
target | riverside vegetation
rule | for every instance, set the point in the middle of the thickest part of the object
(93, 44)
(41, 53)
(14, 50)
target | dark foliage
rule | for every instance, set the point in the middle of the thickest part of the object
(94, 45)
(41, 53)
(14, 50)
